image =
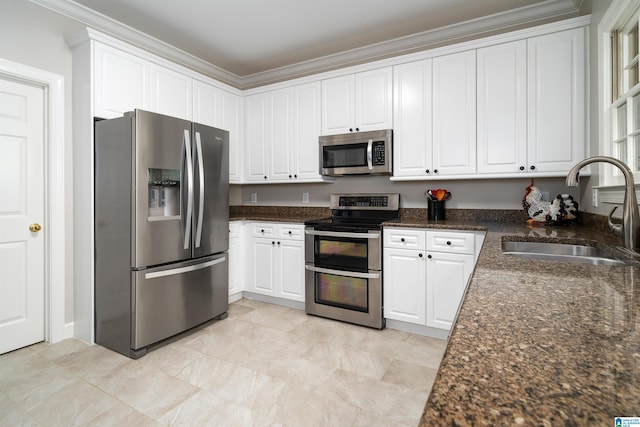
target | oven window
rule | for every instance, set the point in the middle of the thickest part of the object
(341, 252)
(348, 155)
(342, 291)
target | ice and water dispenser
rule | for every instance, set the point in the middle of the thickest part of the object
(164, 194)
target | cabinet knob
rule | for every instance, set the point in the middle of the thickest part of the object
(295, 176)
(420, 255)
(289, 232)
(448, 243)
(262, 231)
(273, 243)
(265, 177)
(350, 129)
(357, 129)
(429, 256)
(435, 171)
(427, 171)
(402, 239)
(278, 243)
(289, 176)
(532, 167)
(521, 168)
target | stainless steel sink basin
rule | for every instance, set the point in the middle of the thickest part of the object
(559, 252)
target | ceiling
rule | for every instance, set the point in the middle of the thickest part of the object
(252, 42)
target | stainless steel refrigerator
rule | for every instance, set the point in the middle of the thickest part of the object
(161, 228)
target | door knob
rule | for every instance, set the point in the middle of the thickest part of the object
(34, 228)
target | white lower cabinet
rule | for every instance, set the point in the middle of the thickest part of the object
(275, 259)
(236, 260)
(426, 273)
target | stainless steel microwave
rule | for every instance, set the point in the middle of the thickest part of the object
(358, 153)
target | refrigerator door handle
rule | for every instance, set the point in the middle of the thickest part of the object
(182, 270)
(201, 196)
(187, 155)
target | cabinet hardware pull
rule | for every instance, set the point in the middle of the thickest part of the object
(429, 256)
(420, 255)
(521, 168)
(427, 171)
(532, 167)
(402, 239)
(448, 243)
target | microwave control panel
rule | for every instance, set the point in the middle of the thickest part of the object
(378, 155)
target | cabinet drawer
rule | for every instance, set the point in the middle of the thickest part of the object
(263, 229)
(453, 242)
(404, 238)
(291, 231)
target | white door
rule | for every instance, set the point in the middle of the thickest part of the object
(21, 207)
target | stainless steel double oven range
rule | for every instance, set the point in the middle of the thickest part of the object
(343, 257)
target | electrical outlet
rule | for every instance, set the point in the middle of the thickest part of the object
(594, 197)
(305, 197)
(254, 197)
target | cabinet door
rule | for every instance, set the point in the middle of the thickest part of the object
(280, 134)
(236, 258)
(556, 100)
(447, 276)
(374, 100)
(171, 93)
(454, 114)
(205, 104)
(338, 114)
(229, 117)
(291, 269)
(404, 285)
(502, 108)
(121, 82)
(263, 265)
(306, 129)
(255, 153)
(412, 137)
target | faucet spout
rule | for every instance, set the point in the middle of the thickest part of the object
(630, 228)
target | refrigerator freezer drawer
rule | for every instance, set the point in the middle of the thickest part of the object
(171, 299)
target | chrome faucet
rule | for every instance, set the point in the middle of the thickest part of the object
(630, 227)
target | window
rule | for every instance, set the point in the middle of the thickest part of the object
(623, 117)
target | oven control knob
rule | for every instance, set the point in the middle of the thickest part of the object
(429, 256)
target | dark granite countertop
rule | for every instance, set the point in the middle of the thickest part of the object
(541, 343)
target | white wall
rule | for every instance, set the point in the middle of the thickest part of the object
(32, 35)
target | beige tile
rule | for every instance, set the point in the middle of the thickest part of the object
(62, 348)
(233, 349)
(151, 392)
(207, 409)
(321, 411)
(92, 362)
(13, 414)
(30, 390)
(410, 375)
(346, 358)
(75, 403)
(122, 415)
(299, 369)
(171, 359)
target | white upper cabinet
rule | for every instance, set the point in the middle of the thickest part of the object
(171, 92)
(502, 108)
(255, 138)
(454, 114)
(216, 107)
(412, 134)
(281, 135)
(358, 102)
(556, 100)
(306, 130)
(121, 82)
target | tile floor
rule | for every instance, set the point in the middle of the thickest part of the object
(265, 365)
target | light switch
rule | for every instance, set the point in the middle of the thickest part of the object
(254, 197)
(305, 197)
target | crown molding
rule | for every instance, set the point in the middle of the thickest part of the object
(544, 12)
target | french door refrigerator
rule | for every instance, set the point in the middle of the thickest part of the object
(161, 228)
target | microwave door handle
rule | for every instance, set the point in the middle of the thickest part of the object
(187, 154)
(369, 154)
(201, 195)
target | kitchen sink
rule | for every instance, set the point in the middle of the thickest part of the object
(563, 252)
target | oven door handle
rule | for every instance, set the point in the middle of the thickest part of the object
(343, 234)
(343, 273)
